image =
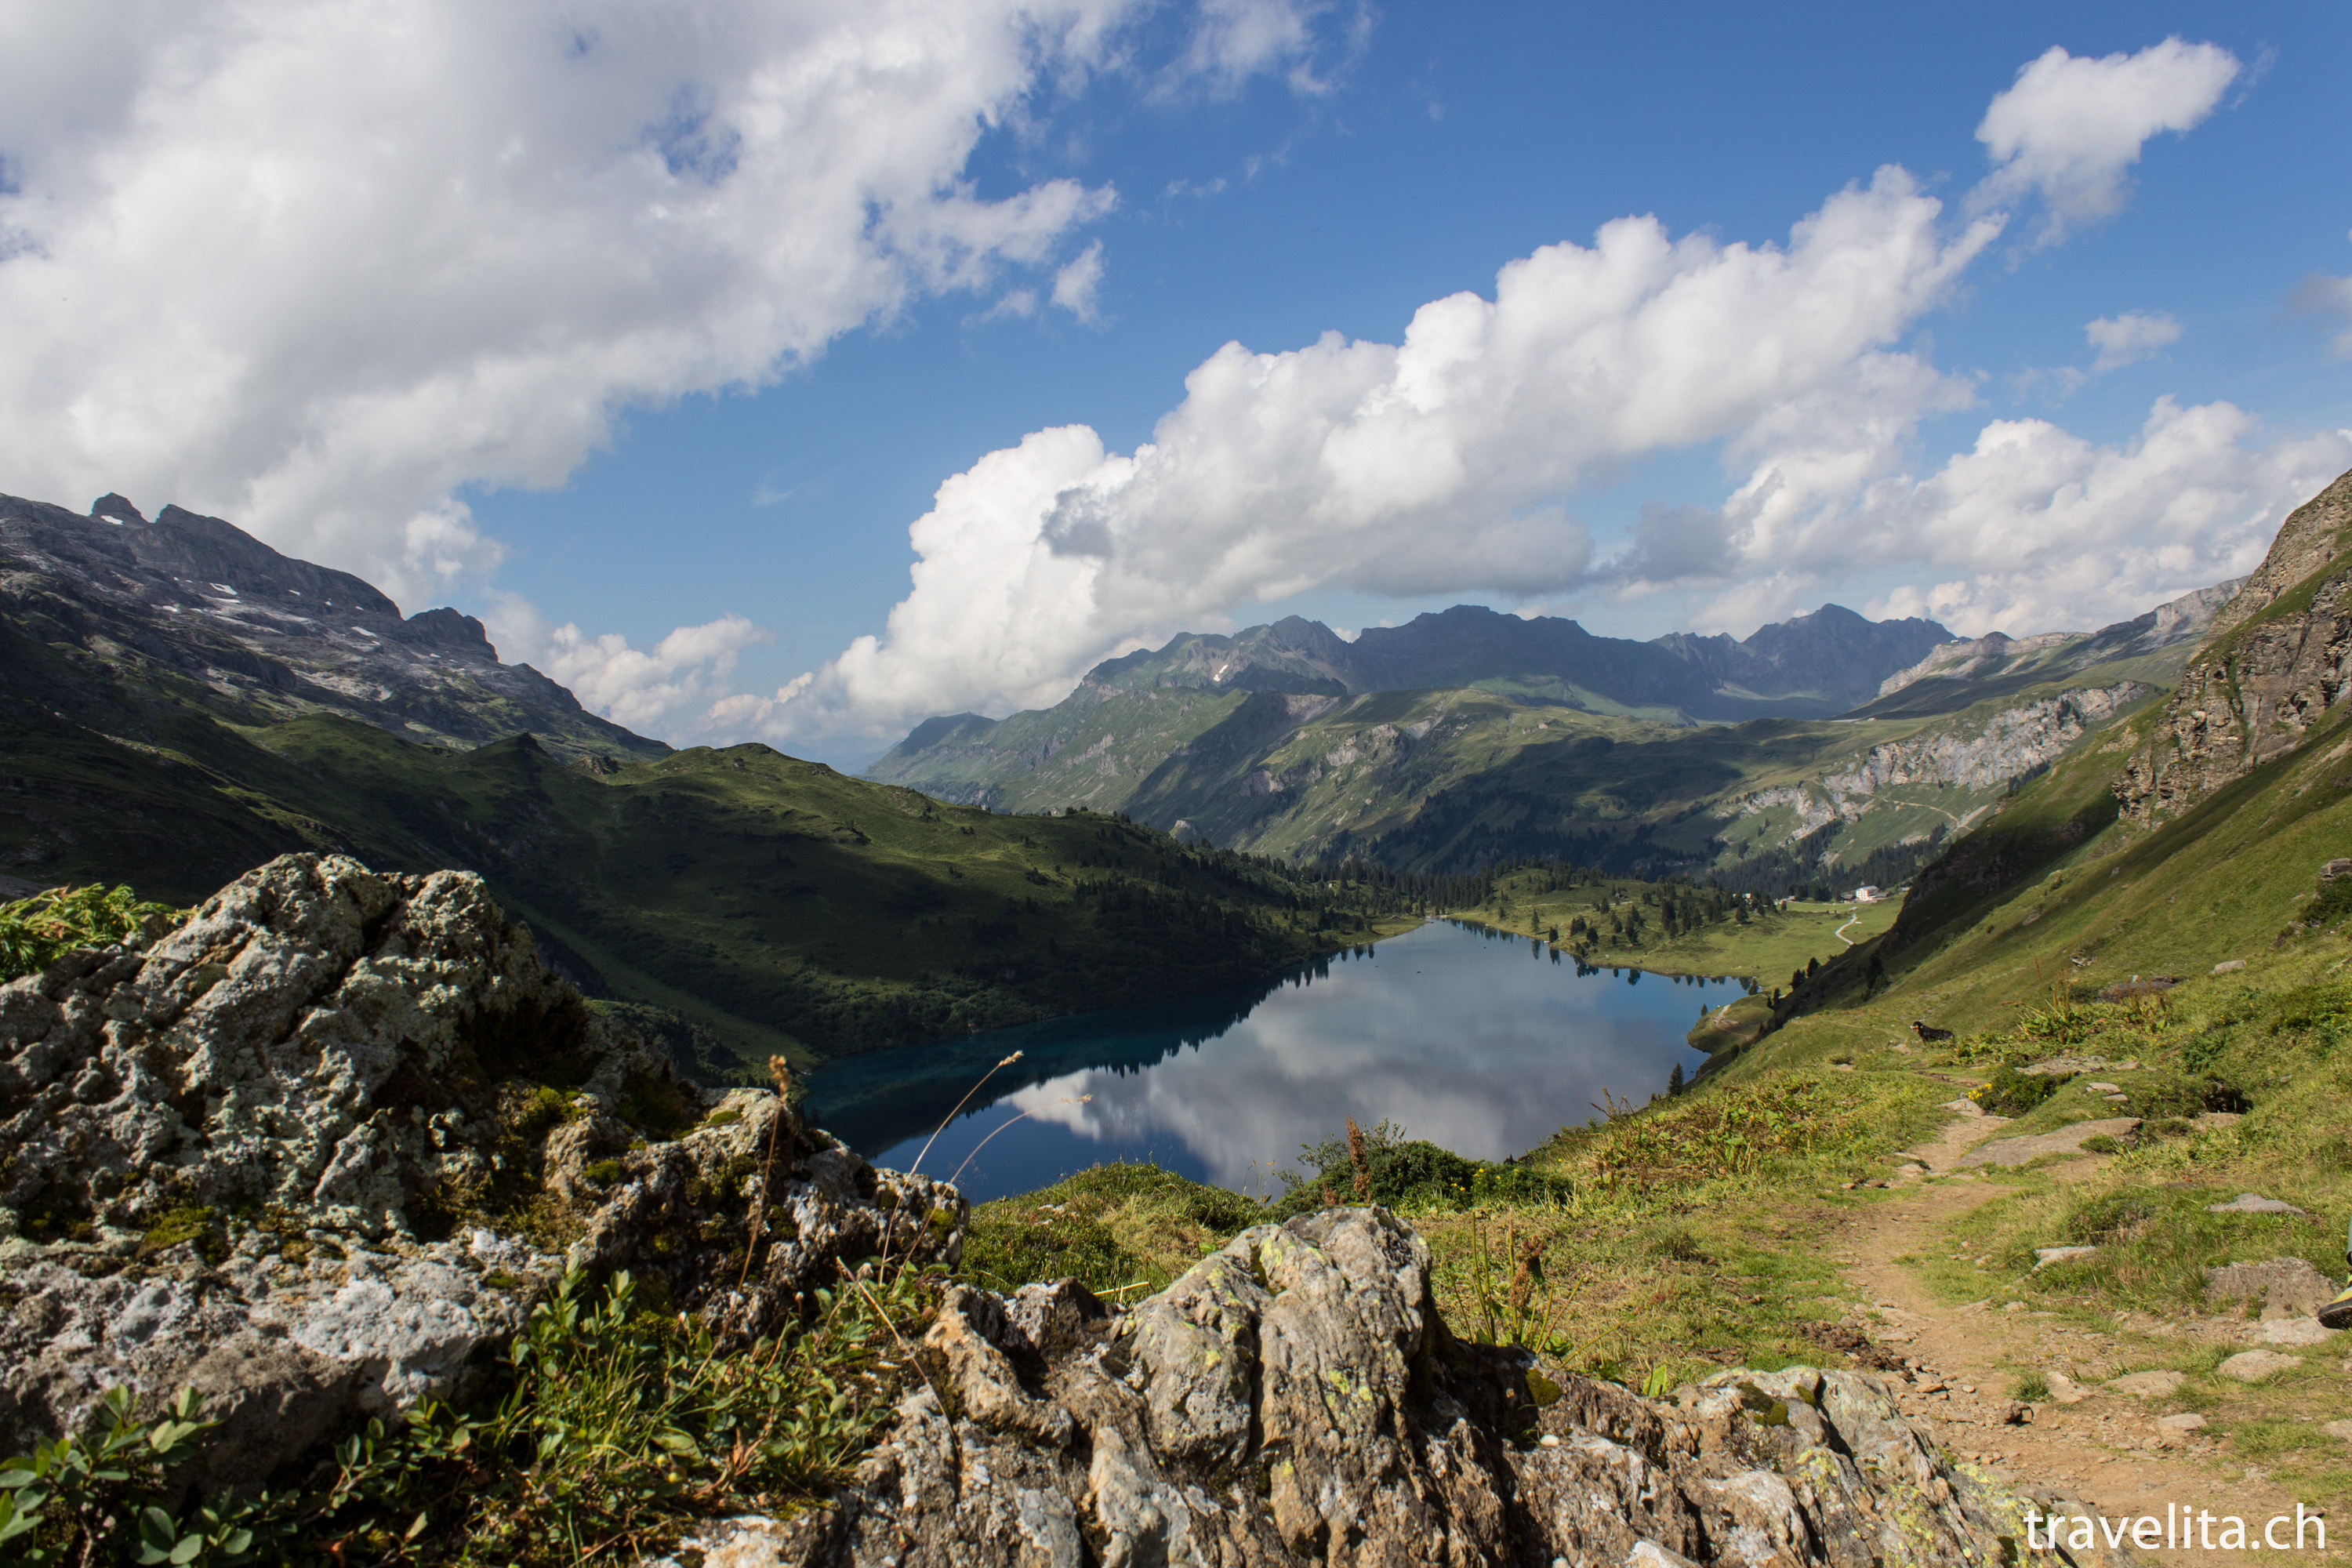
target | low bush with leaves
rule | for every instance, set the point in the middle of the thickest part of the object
(1731, 1133)
(105, 1497)
(621, 1423)
(2010, 1092)
(617, 1427)
(36, 933)
(1380, 1165)
(1119, 1229)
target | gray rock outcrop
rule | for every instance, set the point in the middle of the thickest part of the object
(1975, 758)
(1295, 1398)
(2286, 1287)
(317, 1151)
(2279, 659)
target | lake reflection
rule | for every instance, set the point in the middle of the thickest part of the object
(1483, 1045)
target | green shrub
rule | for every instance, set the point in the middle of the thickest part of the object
(620, 1424)
(2013, 1093)
(1383, 1167)
(36, 933)
(2333, 904)
(103, 1497)
(1004, 1250)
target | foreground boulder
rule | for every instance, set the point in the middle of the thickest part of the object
(316, 1151)
(1296, 1399)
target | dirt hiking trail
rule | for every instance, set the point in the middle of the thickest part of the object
(2100, 1443)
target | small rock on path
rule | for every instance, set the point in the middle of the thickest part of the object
(2253, 1366)
(2009, 1151)
(2253, 1202)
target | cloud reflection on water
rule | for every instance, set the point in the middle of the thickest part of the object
(1486, 1076)
(1460, 1037)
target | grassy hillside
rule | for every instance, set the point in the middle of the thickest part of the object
(776, 904)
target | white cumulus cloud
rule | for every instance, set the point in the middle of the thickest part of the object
(646, 690)
(1436, 465)
(1240, 38)
(2071, 127)
(318, 266)
(2035, 529)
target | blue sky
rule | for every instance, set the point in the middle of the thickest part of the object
(595, 450)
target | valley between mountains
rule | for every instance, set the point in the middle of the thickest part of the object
(2020, 1194)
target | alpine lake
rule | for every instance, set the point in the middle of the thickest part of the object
(1483, 1043)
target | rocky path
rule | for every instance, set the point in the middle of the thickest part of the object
(2103, 1444)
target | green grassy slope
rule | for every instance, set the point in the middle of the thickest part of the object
(1082, 753)
(2054, 896)
(776, 904)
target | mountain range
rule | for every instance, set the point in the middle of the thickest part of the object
(1811, 667)
(1820, 747)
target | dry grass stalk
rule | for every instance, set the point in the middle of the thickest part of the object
(960, 1104)
(781, 1071)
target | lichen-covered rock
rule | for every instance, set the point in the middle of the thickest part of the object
(317, 1038)
(1295, 1398)
(317, 1151)
(289, 1341)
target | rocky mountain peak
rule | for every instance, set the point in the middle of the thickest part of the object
(258, 636)
(2313, 534)
(451, 629)
(2278, 659)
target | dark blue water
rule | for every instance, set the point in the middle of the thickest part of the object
(1484, 1045)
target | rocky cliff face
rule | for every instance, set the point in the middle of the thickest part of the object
(2279, 657)
(1978, 760)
